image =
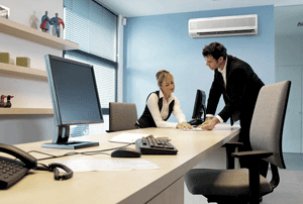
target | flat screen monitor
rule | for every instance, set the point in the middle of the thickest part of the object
(75, 99)
(198, 115)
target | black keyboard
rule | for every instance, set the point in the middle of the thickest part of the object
(152, 145)
(11, 171)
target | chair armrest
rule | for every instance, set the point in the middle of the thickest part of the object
(230, 147)
(253, 158)
(252, 155)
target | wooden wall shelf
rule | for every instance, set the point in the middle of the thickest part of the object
(26, 111)
(23, 72)
(36, 36)
(28, 33)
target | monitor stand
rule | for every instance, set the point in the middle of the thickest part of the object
(61, 141)
(71, 145)
(196, 121)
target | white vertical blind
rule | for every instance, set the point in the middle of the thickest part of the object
(105, 77)
(77, 22)
(92, 26)
(103, 28)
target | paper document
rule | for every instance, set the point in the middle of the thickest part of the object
(128, 137)
(94, 164)
(193, 129)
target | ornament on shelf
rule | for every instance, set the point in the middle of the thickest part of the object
(2, 101)
(8, 101)
(56, 22)
(4, 12)
(33, 20)
(6, 104)
(4, 57)
(23, 61)
(45, 22)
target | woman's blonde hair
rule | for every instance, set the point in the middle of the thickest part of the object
(161, 75)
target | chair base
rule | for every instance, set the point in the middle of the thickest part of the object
(229, 200)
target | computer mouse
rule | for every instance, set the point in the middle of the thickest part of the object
(126, 152)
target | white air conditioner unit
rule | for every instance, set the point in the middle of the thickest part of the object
(223, 26)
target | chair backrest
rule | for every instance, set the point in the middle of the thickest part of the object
(122, 116)
(268, 120)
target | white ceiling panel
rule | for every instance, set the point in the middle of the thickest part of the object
(130, 8)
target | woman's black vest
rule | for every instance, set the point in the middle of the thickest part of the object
(146, 120)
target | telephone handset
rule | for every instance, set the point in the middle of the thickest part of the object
(13, 170)
(28, 160)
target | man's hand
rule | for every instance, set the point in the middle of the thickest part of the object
(209, 123)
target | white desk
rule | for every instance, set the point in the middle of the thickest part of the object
(162, 185)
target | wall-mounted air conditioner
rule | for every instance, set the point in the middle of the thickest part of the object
(223, 26)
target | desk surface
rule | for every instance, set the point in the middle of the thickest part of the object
(121, 186)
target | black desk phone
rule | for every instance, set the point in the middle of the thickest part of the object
(13, 170)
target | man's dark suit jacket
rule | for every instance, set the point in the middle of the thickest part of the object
(240, 93)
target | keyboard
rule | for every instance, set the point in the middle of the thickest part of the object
(158, 146)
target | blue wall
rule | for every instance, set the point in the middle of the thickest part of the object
(162, 41)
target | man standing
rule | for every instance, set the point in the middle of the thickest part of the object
(239, 85)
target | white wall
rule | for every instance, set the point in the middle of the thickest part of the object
(27, 93)
(288, 59)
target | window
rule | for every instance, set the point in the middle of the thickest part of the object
(94, 28)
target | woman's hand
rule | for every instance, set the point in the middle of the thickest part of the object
(184, 125)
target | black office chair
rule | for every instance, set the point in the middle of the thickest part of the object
(234, 186)
(122, 116)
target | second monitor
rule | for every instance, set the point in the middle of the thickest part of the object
(198, 116)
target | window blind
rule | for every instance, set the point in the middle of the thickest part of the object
(92, 26)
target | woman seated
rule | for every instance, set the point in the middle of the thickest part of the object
(161, 104)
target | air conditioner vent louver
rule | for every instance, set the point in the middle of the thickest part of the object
(223, 26)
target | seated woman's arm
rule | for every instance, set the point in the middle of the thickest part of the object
(178, 113)
(152, 104)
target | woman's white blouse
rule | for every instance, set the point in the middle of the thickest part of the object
(152, 104)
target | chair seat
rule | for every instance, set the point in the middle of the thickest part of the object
(226, 183)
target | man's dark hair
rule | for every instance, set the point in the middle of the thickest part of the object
(215, 49)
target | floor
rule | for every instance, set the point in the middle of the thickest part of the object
(289, 191)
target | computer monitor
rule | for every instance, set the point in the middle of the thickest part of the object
(199, 108)
(75, 99)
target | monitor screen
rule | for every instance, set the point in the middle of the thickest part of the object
(199, 108)
(75, 97)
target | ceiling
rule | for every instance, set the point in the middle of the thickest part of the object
(131, 8)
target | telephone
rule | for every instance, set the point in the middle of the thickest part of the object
(13, 170)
